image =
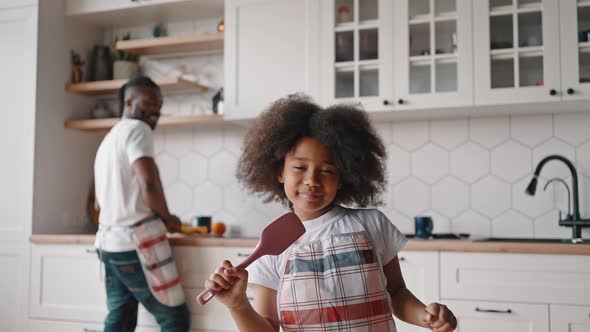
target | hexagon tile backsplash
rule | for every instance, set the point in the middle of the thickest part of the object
(468, 174)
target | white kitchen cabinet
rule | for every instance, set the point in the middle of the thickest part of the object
(575, 49)
(433, 52)
(195, 265)
(421, 274)
(357, 52)
(66, 283)
(557, 279)
(483, 316)
(569, 318)
(516, 51)
(271, 50)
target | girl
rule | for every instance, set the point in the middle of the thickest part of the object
(343, 274)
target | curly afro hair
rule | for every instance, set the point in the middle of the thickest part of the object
(356, 149)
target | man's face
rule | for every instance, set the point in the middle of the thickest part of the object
(146, 105)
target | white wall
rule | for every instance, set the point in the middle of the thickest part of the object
(63, 158)
(469, 174)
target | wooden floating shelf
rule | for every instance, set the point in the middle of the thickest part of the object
(93, 125)
(167, 84)
(204, 42)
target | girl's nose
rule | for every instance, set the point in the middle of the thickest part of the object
(311, 179)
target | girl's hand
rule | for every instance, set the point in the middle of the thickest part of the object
(439, 318)
(231, 283)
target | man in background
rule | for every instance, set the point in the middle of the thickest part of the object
(129, 192)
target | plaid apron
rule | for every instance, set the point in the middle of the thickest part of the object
(335, 283)
(155, 255)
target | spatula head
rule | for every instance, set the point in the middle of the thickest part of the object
(281, 234)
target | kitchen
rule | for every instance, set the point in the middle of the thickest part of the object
(460, 150)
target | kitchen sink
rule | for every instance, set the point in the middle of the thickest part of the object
(529, 240)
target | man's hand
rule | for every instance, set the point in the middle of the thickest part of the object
(439, 318)
(173, 224)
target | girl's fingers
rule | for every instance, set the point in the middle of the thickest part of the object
(220, 280)
(221, 272)
(241, 274)
(447, 327)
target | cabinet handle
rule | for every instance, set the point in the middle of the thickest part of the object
(570, 91)
(402, 259)
(507, 311)
(386, 102)
(250, 298)
(240, 254)
(552, 92)
(400, 101)
(91, 251)
(91, 330)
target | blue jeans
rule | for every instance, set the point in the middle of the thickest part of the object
(126, 287)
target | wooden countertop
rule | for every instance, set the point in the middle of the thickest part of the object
(413, 245)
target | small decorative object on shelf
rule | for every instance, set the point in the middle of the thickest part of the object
(343, 14)
(77, 64)
(101, 111)
(126, 66)
(221, 26)
(101, 65)
(159, 31)
(218, 102)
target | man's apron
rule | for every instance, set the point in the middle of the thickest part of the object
(335, 283)
(155, 257)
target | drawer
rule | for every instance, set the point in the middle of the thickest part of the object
(568, 318)
(526, 278)
(37, 325)
(482, 316)
(196, 264)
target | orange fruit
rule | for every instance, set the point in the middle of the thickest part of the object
(218, 228)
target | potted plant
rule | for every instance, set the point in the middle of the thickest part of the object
(125, 65)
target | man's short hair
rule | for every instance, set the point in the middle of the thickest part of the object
(136, 82)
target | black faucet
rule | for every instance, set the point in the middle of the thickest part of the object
(571, 220)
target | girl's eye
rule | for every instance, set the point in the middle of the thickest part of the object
(299, 167)
(327, 171)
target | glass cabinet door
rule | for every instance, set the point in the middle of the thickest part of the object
(516, 51)
(575, 50)
(356, 67)
(434, 57)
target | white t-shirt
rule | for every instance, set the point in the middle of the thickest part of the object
(387, 240)
(118, 191)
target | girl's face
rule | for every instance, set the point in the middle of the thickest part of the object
(310, 178)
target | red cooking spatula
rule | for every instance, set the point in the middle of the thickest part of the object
(275, 238)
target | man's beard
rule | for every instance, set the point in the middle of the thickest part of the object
(139, 114)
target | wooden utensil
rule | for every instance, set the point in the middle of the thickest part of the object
(275, 238)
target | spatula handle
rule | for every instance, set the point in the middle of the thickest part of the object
(206, 295)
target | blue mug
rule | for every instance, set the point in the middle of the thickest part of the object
(423, 226)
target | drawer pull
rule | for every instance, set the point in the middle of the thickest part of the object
(402, 259)
(250, 298)
(507, 311)
(91, 251)
(90, 330)
(241, 254)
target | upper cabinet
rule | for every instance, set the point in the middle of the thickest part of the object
(271, 50)
(516, 48)
(433, 53)
(575, 48)
(357, 52)
(397, 54)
